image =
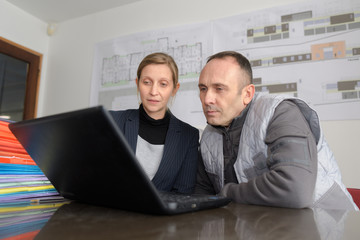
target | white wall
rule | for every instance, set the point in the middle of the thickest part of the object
(70, 56)
(344, 140)
(28, 31)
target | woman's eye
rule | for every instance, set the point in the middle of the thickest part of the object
(163, 84)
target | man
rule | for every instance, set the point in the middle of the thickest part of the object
(262, 149)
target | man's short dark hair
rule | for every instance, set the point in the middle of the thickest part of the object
(240, 59)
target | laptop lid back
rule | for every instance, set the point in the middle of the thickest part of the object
(87, 158)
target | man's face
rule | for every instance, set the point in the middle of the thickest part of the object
(219, 84)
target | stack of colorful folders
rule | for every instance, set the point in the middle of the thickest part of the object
(20, 178)
(27, 198)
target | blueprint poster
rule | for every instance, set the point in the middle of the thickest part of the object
(309, 50)
(116, 63)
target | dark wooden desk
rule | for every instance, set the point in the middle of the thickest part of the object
(235, 221)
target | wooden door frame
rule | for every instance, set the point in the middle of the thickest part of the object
(34, 59)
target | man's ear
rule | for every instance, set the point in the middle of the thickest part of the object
(248, 93)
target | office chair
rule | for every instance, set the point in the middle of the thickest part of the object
(355, 193)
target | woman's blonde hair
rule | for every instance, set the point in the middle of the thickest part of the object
(160, 58)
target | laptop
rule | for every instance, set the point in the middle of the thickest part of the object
(86, 157)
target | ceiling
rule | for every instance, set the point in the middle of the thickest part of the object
(56, 11)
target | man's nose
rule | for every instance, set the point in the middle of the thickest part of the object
(209, 98)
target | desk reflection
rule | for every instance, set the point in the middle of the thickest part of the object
(82, 221)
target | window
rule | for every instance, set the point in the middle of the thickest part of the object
(19, 81)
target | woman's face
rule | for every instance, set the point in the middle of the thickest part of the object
(156, 87)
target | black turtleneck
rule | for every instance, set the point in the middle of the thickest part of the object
(151, 130)
(231, 139)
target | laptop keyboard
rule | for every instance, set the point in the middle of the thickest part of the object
(183, 201)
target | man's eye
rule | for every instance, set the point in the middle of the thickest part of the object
(202, 89)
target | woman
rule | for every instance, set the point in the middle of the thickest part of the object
(166, 147)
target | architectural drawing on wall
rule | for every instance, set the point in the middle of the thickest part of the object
(119, 70)
(299, 49)
(309, 50)
(281, 88)
(346, 90)
(116, 62)
(327, 51)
